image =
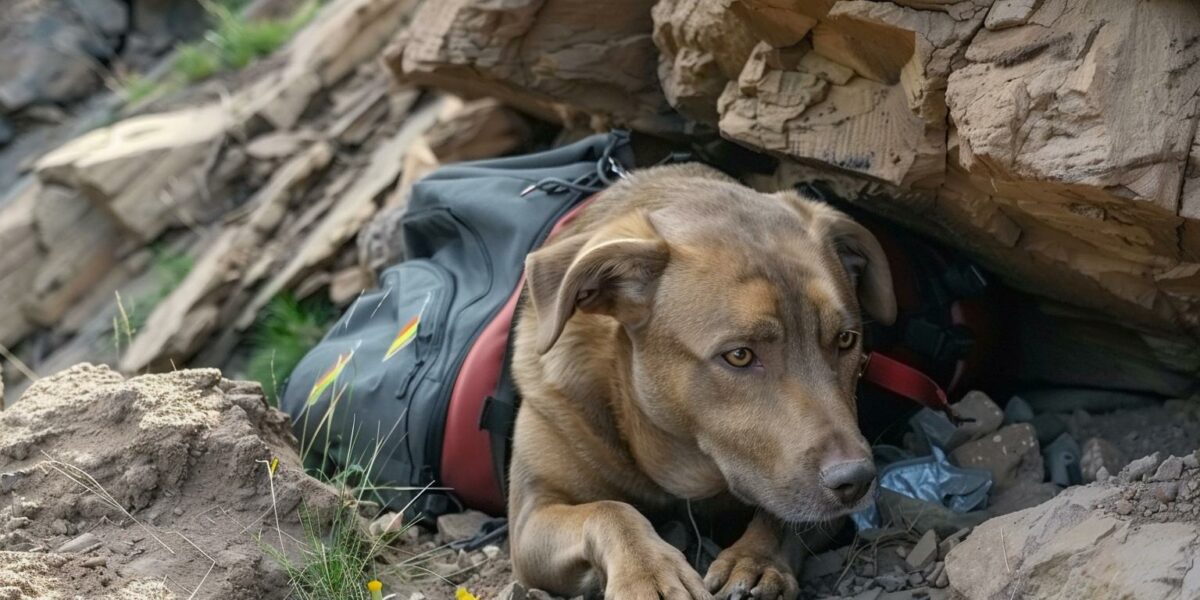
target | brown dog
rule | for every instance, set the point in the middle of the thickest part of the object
(685, 338)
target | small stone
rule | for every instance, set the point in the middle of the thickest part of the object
(60, 527)
(513, 591)
(891, 582)
(492, 551)
(78, 544)
(943, 580)
(1017, 411)
(456, 527)
(417, 596)
(1103, 475)
(96, 562)
(925, 552)
(1124, 507)
(902, 551)
(1166, 491)
(1191, 461)
(980, 414)
(387, 523)
(177, 511)
(1141, 467)
(915, 579)
(17, 523)
(1170, 470)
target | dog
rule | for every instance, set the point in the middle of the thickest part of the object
(683, 338)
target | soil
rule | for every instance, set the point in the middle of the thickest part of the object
(1172, 427)
(152, 487)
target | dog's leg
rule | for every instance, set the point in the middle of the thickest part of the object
(571, 549)
(755, 564)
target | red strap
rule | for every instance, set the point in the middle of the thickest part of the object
(899, 378)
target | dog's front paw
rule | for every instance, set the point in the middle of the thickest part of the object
(658, 571)
(737, 575)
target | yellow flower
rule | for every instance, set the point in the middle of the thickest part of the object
(274, 465)
(376, 588)
(463, 594)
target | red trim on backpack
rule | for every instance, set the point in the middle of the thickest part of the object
(903, 380)
(466, 449)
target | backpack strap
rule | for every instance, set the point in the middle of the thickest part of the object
(498, 417)
(905, 381)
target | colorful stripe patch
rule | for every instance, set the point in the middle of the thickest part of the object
(330, 377)
(407, 334)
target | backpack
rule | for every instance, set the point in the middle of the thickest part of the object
(399, 386)
(411, 388)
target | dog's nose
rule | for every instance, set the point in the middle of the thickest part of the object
(849, 480)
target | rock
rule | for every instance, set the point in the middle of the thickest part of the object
(388, 523)
(478, 129)
(982, 414)
(1137, 469)
(147, 172)
(80, 544)
(1017, 411)
(1097, 454)
(1069, 543)
(182, 322)
(1170, 470)
(950, 117)
(924, 553)
(823, 564)
(1009, 13)
(1011, 451)
(557, 59)
(354, 207)
(279, 144)
(492, 552)
(455, 527)
(513, 591)
(343, 35)
(157, 419)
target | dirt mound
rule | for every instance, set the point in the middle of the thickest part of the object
(152, 487)
(1135, 535)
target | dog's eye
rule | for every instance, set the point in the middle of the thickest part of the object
(739, 357)
(847, 339)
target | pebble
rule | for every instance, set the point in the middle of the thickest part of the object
(925, 552)
(79, 544)
(492, 551)
(915, 579)
(456, 527)
(943, 580)
(1124, 507)
(1170, 470)
(1166, 491)
(96, 562)
(17, 523)
(1141, 467)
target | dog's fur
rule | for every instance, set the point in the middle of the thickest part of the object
(628, 404)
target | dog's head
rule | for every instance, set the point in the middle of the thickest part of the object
(743, 312)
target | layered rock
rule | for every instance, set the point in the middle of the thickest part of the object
(1053, 141)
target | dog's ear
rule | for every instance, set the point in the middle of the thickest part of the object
(612, 271)
(859, 252)
(865, 264)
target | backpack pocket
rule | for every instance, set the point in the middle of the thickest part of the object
(351, 397)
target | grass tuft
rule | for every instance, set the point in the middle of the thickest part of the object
(235, 42)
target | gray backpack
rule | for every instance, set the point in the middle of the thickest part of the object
(410, 389)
